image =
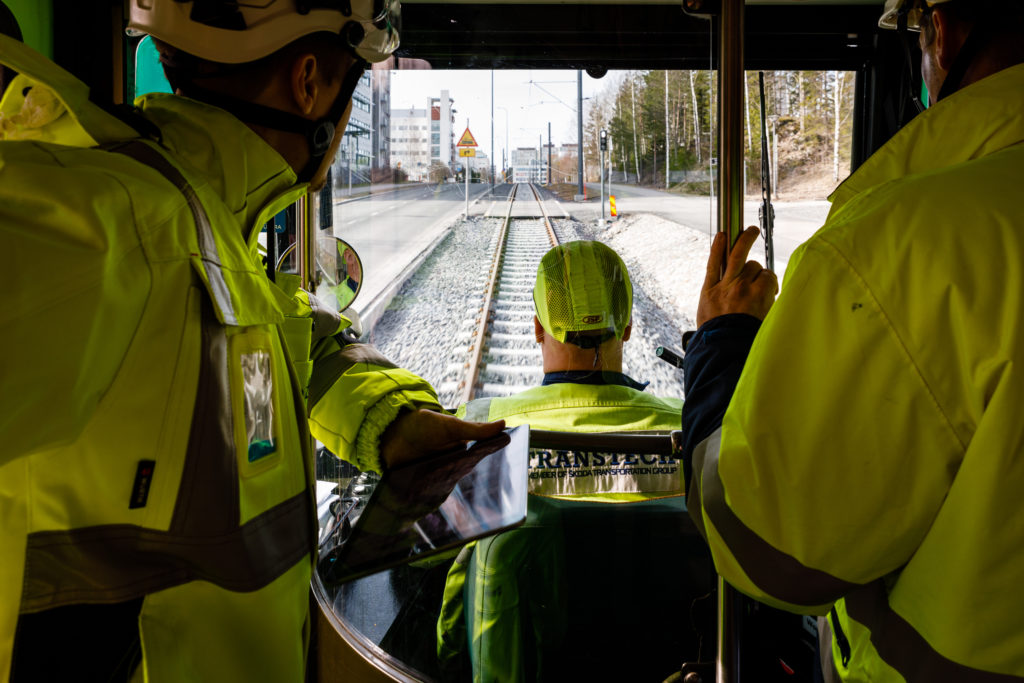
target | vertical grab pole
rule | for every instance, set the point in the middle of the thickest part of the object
(730, 220)
(766, 213)
(305, 242)
(730, 120)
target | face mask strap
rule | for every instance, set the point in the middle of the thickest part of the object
(319, 147)
(318, 133)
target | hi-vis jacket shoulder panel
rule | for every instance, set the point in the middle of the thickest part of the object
(604, 477)
(883, 463)
(153, 420)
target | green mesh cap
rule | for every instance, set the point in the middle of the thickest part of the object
(583, 295)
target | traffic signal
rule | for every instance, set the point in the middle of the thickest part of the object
(604, 140)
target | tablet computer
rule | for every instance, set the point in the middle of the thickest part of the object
(429, 506)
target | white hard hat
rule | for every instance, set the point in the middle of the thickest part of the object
(893, 8)
(236, 31)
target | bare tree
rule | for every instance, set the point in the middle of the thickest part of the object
(746, 109)
(838, 100)
(636, 154)
(668, 155)
(802, 101)
(696, 117)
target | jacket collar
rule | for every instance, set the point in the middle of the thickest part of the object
(254, 181)
(976, 121)
(592, 377)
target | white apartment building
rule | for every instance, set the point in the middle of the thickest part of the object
(420, 137)
(381, 119)
(442, 121)
(410, 142)
(528, 166)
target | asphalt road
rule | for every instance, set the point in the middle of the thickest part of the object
(389, 230)
(795, 221)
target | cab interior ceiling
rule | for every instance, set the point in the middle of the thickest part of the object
(611, 36)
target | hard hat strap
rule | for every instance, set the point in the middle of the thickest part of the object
(905, 37)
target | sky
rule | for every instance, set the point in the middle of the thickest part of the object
(524, 102)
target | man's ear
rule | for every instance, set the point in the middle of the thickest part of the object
(304, 82)
(627, 332)
(949, 38)
(538, 330)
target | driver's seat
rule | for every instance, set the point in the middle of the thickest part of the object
(590, 590)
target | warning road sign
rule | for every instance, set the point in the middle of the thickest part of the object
(467, 140)
(467, 151)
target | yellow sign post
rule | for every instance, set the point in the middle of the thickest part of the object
(611, 200)
(467, 148)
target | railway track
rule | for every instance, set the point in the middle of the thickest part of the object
(505, 357)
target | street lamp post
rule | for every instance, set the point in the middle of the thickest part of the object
(507, 150)
(492, 131)
(579, 132)
(604, 146)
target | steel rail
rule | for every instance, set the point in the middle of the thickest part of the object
(468, 386)
(547, 221)
(473, 367)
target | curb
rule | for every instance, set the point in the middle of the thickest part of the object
(346, 200)
(369, 316)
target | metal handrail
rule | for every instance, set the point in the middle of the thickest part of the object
(660, 443)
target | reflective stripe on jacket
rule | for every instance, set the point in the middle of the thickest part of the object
(591, 408)
(874, 447)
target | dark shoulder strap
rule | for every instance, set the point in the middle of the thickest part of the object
(146, 153)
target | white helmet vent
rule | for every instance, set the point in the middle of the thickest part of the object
(233, 32)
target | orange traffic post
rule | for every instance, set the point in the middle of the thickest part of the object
(611, 202)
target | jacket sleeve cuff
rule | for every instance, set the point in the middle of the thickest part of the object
(378, 418)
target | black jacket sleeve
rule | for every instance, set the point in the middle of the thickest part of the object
(711, 368)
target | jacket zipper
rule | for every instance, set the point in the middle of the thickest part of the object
(841, 641)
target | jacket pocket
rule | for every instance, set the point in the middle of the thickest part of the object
(255, 400)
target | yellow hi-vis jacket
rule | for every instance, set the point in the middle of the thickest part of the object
(873, 451)
(153, 412)
(483, 592)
